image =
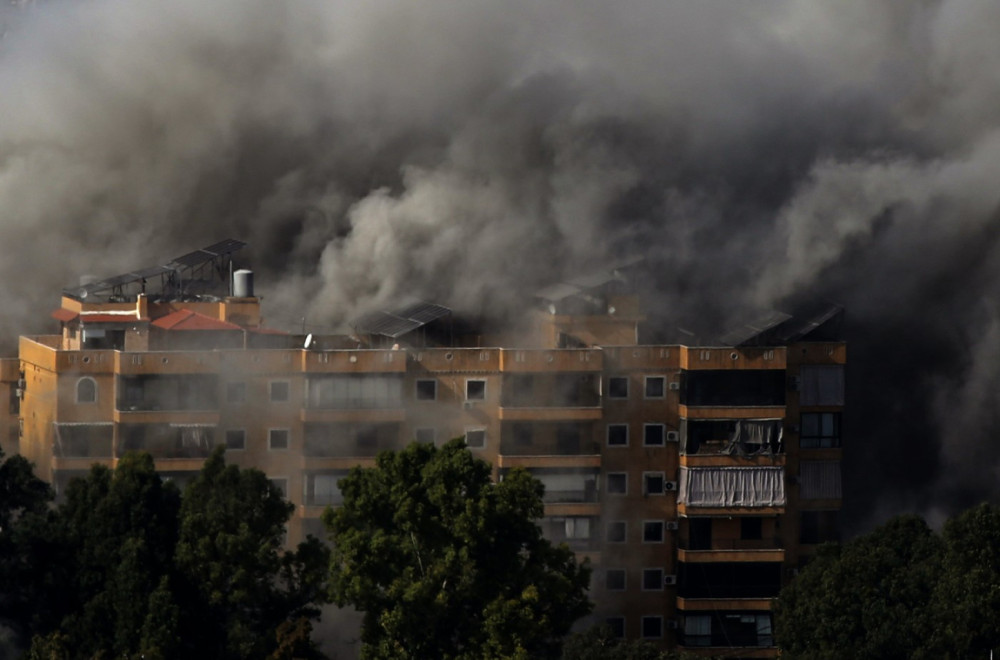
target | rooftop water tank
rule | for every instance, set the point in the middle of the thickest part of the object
(243, 284)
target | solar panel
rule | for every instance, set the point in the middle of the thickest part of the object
(189, 260)
(423, 312)
(398, 323)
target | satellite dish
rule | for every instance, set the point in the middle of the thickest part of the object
(309, 341)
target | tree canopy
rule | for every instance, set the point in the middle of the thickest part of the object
(445, 563)
(901, 591)
(128, 566)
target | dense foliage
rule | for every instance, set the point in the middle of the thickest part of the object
(127, 566)
(444, 563)
(600, 643)
(901, 591)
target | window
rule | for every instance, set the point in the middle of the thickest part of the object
(614, 579)
(751, 529)
(652, 627)
(618, 435)
(86, 390)
(617, 625)
(279, 391)
(617, 531)
(424, 435)
(236, 439)
(655, 387)
(475, 438)
(236, 392)
(618, 483)
(618, 387)
(821, 385)
(475, 390)
(426, 390)
(820, 430)
(653, 483)
(653, 435)
(652, 579)
(652, 531)
(576, 527)
(281, 483)
(277, 439)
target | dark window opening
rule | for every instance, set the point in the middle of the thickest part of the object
(618, 387)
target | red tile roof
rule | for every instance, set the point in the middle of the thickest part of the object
(185, 319)
(64, 315)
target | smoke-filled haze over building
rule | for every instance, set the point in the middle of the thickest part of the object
(759, 154)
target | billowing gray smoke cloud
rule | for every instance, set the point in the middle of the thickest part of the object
(760, 154)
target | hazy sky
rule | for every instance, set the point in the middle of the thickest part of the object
(758, 152)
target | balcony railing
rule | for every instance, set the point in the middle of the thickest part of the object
(771, 543)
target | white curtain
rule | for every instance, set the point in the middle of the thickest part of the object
(819, 480)
(732, 486)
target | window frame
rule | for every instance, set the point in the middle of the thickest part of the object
(243, 437)
(93, 383)
(617, 570)
(653, 474)
(607, 531)
(270, 438)
(624, 379)
(418, 396)
(469, 381)
(662, 527)
(817, 441)
(663, 387)
(475, 429)
(607, 435)
(659, 581)
(663, 434)
(608, 479)
(642, 626)
(288, 390)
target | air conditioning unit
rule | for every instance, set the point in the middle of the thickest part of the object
(669, 486)
(673, 436)
(672, 624)
(669, 580)
(672, 525)
(21, 383)
(469, 404)
(19, 392)
(674, 385)
(793, 383)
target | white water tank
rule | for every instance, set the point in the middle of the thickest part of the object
(243, 284)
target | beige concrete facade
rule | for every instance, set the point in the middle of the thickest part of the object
(609, 428)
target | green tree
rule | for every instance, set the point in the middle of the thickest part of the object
(444, 563)
(126, 567)
(600, 643)
(967, 597)
(24, 507)
(868, 599)
(240, 586)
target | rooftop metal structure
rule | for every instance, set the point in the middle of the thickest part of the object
(174, 276)
(399, 322)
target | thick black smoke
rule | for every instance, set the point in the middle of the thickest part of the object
(761, 154)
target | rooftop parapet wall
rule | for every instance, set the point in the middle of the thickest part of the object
(549, 361)
(468, 360)
(353, 361)
(733, 358)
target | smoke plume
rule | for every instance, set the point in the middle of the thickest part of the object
(760, 154)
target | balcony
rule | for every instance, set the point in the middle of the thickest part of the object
(731, 550)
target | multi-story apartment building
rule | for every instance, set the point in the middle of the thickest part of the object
(695, 478)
